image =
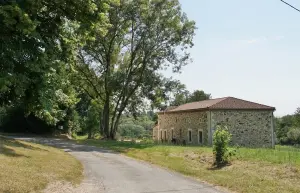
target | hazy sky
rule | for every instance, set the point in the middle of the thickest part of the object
(248, 49)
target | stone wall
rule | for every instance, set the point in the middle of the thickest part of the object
(248, 128)
(181, 123)
(155, 132)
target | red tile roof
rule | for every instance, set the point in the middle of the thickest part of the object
(221, 103)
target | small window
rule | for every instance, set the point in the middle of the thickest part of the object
(161, 137)
(165, 135)
(200, 135)
(180, 133)
(190, 135)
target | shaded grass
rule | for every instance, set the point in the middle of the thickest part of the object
(251, 170)
(84, 137)
(29, 167)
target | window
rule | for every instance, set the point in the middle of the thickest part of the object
(161, 137)
(180, 133)
(200, 136)
(172, 133)
(190, 135)
(165, 135)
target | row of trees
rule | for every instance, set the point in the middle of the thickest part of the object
(288, 128)
(87, 63)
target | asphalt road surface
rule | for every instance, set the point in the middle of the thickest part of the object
(109, 172)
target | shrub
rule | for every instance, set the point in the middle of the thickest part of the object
(132, 131)
(221, 139)
(91, 123)
(294, 136)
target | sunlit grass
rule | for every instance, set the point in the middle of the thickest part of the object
(279, 155)
(29, 167)
(251, 170)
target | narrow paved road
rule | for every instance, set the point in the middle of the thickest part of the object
(109, 172)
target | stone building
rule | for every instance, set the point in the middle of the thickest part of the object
(251, 124)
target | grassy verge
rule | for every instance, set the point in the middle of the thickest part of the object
(28, 167)
(252, 170)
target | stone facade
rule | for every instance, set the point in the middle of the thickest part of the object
(181, 123)
(248, 127)
(155, 132)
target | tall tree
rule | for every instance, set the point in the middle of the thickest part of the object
(144, 37)
(297, 117)
(198, 95)
(35, 45)
(184, 96)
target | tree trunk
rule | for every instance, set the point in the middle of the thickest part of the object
(90, 134)
(112, 135)
(101, 128)
(105, 120)
(114, 126)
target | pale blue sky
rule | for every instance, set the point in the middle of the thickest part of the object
(248, 49)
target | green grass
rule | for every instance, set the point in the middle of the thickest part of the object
(28, 167)
(251, 170)
(279, 155)
(84, 137)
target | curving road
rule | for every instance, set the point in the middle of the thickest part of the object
(109, 172)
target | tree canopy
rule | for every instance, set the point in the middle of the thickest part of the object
(36, 43)
(85, 63)
(122, 67)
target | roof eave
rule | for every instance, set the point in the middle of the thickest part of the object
(250, 109)
(203, 109)
(182, 111)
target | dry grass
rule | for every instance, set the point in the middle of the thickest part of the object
(252, 170)
(28, 167)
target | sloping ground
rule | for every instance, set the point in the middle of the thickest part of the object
(106, 171)
(27, 167)
(252, 170)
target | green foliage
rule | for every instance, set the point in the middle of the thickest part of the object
(92, 120)
(139, 127)
(38, 41)
(293, 135)
(221, 139)
(198, 95)
(72, 121)
(112, 51)
(287, 128)
(184, 96)
(3, 115)
(131, 131)
(122, 67)
(171, 92)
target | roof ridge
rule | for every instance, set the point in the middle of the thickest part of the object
(203, 101)
(195, 102)
(222, 99)
(246, 101)
(250, 101)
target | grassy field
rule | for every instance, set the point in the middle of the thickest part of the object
(251, 170)
(28, 167)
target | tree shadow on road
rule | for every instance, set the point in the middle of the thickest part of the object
(7, 147)
(103, 146)
(117, 146)
(92, 145)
